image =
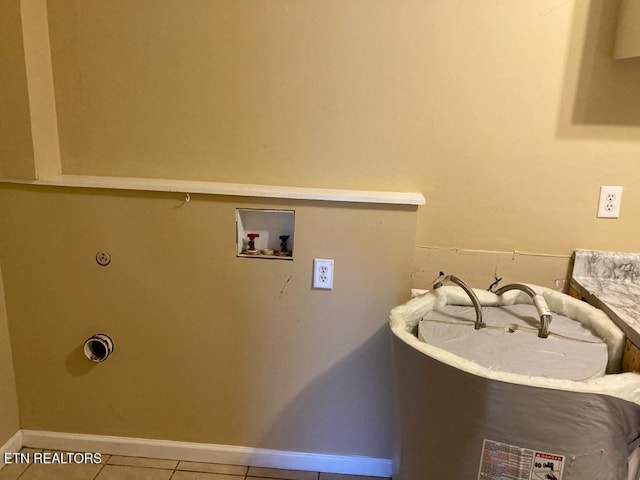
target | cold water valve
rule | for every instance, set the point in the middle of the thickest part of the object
(284, 250)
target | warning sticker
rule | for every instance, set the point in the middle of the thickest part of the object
(547, 466)
(501, 461)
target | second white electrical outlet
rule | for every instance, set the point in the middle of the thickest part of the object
(609, 202)
(323, 273)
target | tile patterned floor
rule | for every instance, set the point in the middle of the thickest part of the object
(114, 467)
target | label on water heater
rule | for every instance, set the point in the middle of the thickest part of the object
(501, 461)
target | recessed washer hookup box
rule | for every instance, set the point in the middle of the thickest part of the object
(265, 233)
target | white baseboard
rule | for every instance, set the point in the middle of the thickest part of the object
(207, 452)
(14, 444)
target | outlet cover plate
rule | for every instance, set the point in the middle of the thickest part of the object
(609, 201)
(323, 273)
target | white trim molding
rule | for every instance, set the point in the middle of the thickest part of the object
(14, 444)
(235, 189)
(207, 452)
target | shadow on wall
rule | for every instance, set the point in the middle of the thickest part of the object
(76, 362)
(335, 398)
(598, 90)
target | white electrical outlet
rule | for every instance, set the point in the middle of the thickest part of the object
(609, 202)
(323, 273)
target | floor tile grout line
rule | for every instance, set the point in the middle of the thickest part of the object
(18, 477)
(175, 469)
(22, 473)
(98, 472)
(101, 468)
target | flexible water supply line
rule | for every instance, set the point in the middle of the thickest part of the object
(538, 300)
(474, 299)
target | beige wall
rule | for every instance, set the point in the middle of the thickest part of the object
(277, 92)
(507, 115)
(208, 347)
(627, 42)
(529, 115)
(16, 147)
(37, 55)
(9, 421)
